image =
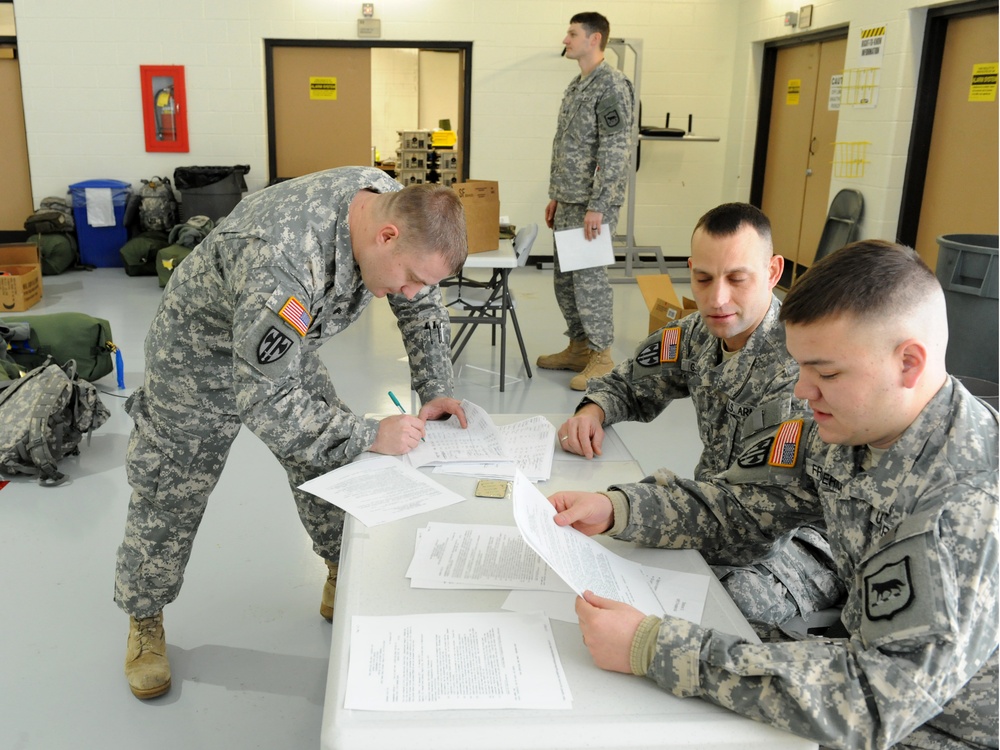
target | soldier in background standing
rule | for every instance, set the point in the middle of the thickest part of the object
(591, 159)
(235, 342)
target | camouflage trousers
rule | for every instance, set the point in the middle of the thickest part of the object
(585, 297)
(795, 578)
(175, 457)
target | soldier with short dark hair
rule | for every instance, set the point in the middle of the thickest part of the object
(235, 343)
(901, 462)
(591, 163)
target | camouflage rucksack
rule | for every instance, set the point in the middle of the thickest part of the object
(43, 417)
(157, 205)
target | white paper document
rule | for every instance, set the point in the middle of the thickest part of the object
(448, 441)
(454, 661)
(576, 251)
(578, 559)
(680, 595)
(528, 445)
(478, 556)
(381, 489)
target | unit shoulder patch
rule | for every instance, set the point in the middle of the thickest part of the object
(273, 346)
(889, 590)
(609, 114)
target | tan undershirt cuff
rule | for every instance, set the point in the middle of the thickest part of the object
(644, 645)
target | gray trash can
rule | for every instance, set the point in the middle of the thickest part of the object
(210, 191)
(967, 270)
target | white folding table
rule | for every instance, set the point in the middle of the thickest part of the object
(610, 710)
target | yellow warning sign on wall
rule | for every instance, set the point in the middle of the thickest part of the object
(793, 91)
(984, 82)
(322, 88)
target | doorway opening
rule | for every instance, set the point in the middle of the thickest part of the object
(344, 102)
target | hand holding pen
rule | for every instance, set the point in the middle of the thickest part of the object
(398, 435)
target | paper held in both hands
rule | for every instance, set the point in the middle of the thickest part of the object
(576, 252)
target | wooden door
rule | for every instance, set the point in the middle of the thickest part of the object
(322, 109)
(15, 187)
(816, 201)
(960, 189)
(796, 190)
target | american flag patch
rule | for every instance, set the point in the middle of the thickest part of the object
(785, 448)
(670, 345)
(295, 315)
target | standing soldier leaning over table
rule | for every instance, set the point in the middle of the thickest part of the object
(730, 360)
(591, 162)
(234, 342)
(901, 460)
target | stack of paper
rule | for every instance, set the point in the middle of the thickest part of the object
(485, 450)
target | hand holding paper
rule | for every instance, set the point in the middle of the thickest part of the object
(577, 252)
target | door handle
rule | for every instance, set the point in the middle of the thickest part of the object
(812, 146)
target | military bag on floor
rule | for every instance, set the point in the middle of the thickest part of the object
(191, 232)
(139, 253)
(61, 337)
(168, 259)
(53, 215)
(157, 205)
(59, 252)
(43, 418)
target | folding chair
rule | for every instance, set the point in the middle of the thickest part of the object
(842, 222)
(490, 303)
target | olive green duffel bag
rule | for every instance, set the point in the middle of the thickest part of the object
(65, 336)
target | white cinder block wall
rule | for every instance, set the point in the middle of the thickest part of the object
(80, 77)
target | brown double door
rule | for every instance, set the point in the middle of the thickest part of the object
(803, 127)
(961, 186)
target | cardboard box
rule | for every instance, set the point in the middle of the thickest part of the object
(481, 200)
(662, 301)
(21, 282)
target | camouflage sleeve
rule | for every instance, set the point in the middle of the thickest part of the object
(895, 673)
(637, 390)
(426, 330)
(614, 148)
(715, 516)
(283, 392)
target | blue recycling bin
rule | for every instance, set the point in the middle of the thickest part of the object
(100, 246)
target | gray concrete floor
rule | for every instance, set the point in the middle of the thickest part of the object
(248, 648)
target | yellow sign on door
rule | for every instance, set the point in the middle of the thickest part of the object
(322, 88)
(984, 83)
(793, 90)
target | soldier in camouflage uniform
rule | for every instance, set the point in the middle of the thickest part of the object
(591, 159)
(730, 359)
(901, 460)
(235, 342)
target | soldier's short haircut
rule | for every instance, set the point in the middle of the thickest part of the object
(594, 22)
(727, 219)
(869, 280)
(431, 219)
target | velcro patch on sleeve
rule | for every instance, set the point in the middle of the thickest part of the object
(670, 345)
(785, 449)
(293, 313)
(609, 114)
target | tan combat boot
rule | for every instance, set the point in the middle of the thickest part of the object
(329, 591)
(146, 665)
(600, 364)
(573, 357)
